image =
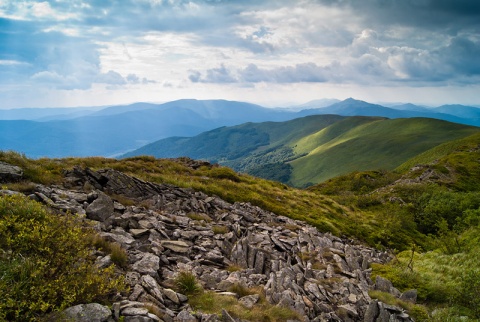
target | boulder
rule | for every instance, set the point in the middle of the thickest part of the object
(184, 316)
(409, 296)
(149, 264)
(10, 172)
(249, 301)
(92, 312)
(101, 208)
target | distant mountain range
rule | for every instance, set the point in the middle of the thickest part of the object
(312, 149)
(115, 130)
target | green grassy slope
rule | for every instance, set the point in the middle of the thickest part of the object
(367, 144)
(312, 149)
(229, 143)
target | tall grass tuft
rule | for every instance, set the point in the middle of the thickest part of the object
(186, 283)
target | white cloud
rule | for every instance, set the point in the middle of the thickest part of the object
(7, 62)
(246, 46)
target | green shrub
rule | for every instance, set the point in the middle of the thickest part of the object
(186, 283)
(468, 294)
(46, 262)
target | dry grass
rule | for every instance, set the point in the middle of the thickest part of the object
(220, 229)
(213, 303)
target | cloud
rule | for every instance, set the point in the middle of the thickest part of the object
(111, 78)
(214, 75)
(86, 44)
(444, 14)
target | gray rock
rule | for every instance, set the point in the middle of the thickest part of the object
(101, 208)
(372, 312)
(409, 296)
(227, 317)
(249, 301)
(152, 287)
(10, 172)
(139, 232)
(132, 311)
(184, 316)
(140, 318)
(92, 312)
(5, 192)
(175, 245)
(104, 261)
(383, 284)
(171, 295)
(149, 264)
(123, 239)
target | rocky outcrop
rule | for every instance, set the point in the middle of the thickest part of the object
(318, 275)
(10, 172)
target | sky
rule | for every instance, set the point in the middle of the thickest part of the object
(62, 53)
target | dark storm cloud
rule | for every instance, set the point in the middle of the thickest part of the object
(450, 15)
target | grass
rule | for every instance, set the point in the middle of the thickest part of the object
(439, 277)
(418, 312)
(186, 283)
(217, 230)
(213, 303)
(369, 145)
(199, 216)
(118, 254)
(241, 290)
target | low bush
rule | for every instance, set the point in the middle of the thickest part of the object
(46, 262)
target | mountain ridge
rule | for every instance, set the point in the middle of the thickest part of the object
(113, 131)
(318, 146)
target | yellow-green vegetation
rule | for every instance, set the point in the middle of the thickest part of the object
(442, 279)
(199, 216)
(438, 218)
(46, 262)
(213, 303)
(217, 229)
(241, 290)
